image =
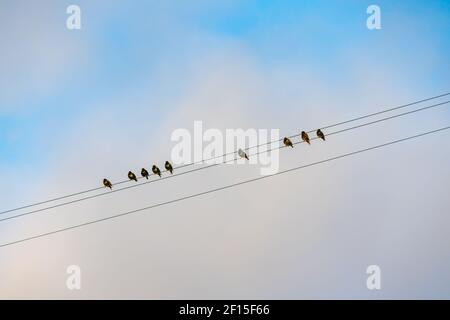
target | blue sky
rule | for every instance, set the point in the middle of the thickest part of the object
(93, 101)
(148, 35)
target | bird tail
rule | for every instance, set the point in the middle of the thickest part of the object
(246, 157)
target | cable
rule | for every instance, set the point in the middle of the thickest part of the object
(215, 164)
(222, 188)
(358, 118)
(199, 162)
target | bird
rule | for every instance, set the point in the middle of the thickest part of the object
(107, 183)
(168, 167)
(156, 170)
(287, 142)
(242, 154)
(132, 176)
(144, 173)
(320, 134)
(305, 137)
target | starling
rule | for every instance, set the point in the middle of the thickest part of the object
(132, 176)
(320, 134)
(144, 173)
(107, 183)
(305, 137)
(242, 154)
(168, 167)
(288, 142)
(156, 170)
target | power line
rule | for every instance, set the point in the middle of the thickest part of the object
(215, 164)
(334, 125)
(226, 154)
(387, 110)
(221, 188)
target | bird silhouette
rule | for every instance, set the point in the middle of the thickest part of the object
(242, 154)
(144, 173)
(156, 170)
(107, 183)
(168, 167)
(305, 137)
(320, 134)
(287, 142)
(132, 176)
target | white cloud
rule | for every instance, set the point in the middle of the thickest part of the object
(303, 235)
(38, 52)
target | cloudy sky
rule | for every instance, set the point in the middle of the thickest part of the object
(80, 105)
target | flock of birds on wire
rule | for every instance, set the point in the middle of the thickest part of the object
(144, 173)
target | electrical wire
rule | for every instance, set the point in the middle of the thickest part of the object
(226, 154)
(215, 164)
(221, 188)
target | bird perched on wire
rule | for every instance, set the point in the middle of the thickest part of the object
(168, 167)
(242, 154)
(144, 173)
(156, 170)
(107, 183)
(287, 142)
(320, 134)
(132, 176)
(305, 137)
